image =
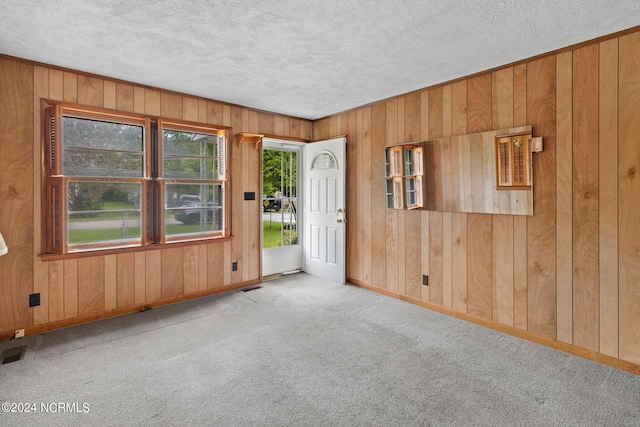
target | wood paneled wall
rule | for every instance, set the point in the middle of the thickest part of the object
(569, 273)
(78, 289)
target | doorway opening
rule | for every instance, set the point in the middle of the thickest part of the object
(281, 216)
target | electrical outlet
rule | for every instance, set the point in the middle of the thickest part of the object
(425, 280)
(19, 333)
(34, 300)
(234, 266)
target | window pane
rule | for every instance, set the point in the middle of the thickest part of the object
(103, 212)
(85, 133)
(193, 208)
(82, 162)
(190, 168)
(190, 155)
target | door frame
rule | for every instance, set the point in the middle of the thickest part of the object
(299, 148)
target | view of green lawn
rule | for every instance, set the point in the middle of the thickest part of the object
(105, 234)
(271, 234)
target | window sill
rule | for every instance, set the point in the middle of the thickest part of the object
(115, 251)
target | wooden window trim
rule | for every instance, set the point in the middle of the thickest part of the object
(54, 218)
(527, 162)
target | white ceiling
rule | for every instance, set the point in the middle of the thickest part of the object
(304, 58)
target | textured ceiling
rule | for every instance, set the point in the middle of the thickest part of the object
(304, 58)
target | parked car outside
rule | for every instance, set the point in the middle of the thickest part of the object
(271, 204)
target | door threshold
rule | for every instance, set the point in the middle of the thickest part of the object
(278, 275)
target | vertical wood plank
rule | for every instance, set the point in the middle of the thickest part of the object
(446, 110)
(56, 85)
(16, 192)
(488, 172)
(446, 176)
(294, 128)
(40, 268)
(459, 108)
(138, 99)
(152, 102)
(391, 223)
(215, 259)
(479, 298)
(214, 112)
(424, 115)
(378, 190)
(90, 91)
(629, 193)
(435, 113)
(254, 226)
(91, 293)
(110, 282)
(425, 250)
(190, 109)
(520, 272)
(479, 105)
(464, 170)
(412, 124)
(520, 95)
(365, 250)
(586, 326)
(435, 258)
(171, 105)
(203, 267)
(226, 265)
(564, 195)
(447, 260)
(70, 288)
(608, 197)
(126, 279)
(153, 276)
(110, 94)
(502, 98)
(140, 277)
(541, 228)
(306, 130)
(202, 111)
(172, 272)
(246, 208)
(457, 175)
(352, 185)
(520, 257)
(237, 208)
(459, 262)
(413, 273)
(502, 269)
(56, 291)
(266, 123)
(402, 220)
(124, 97)
(477, 171)
(190, 259)
(278, 125)
(70, 87)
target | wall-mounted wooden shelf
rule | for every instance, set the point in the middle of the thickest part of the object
(249, 138)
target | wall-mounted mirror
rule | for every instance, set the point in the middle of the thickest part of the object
(488, 172)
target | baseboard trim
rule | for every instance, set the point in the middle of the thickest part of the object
(37, 329)
(529, 336)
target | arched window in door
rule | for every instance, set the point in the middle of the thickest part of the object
(324, 160)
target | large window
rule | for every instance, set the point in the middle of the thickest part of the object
(117, 180)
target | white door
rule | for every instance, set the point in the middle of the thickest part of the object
(324, 209)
